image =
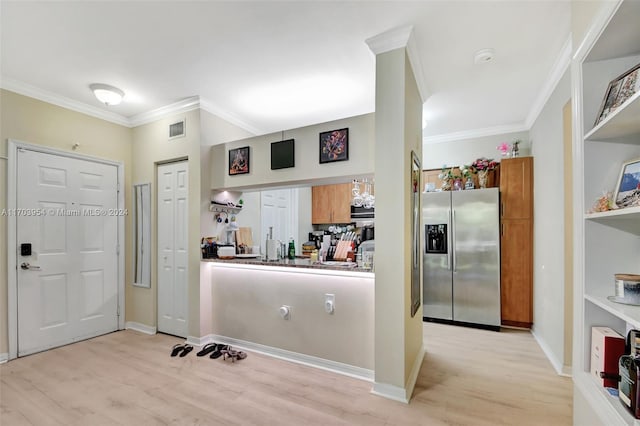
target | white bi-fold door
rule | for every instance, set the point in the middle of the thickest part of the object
(67, 218)
(173, 210)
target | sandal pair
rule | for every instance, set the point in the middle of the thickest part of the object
(181, 349)
(215, 349)
(233, 354)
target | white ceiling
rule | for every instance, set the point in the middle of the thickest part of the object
(279, 65)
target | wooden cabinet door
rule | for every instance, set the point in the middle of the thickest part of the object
(341, 203)
(321, 204)
(516, 187)
(516, 270)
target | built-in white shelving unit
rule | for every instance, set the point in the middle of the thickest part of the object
(609, 242)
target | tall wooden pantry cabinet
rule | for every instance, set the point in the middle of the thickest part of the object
(606, 136)
(516, 241)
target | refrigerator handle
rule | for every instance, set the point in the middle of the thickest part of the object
(452, 250)
(449, 242)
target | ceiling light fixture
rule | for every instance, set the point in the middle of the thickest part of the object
(483, 56)
(106, 94)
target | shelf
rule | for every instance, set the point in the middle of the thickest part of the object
(622, 122)
(608, 406)
(627, 219)
(627, 313)
(219, 208)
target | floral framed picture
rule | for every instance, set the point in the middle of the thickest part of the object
(628, 189)
(334, 146)
(619, 90)
(239, 161)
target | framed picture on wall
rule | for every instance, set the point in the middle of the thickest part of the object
(334, 146)
(239, 161)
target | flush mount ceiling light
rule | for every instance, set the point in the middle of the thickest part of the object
(483, 56)
(106, 94)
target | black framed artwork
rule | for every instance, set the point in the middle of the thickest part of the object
(283, 154)
(334, 146)
(239, 161)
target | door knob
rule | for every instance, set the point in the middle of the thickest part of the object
(25, 266)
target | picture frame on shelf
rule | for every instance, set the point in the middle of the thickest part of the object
(619, 90)
(627, 192)
(334, 146)
(239, 161)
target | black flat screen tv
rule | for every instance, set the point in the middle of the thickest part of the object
(282, 154)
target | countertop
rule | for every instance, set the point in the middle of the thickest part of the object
(293, 263)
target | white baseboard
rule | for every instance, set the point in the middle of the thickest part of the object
(142, 328)
(555, 362)
(4, 358)
(199, 341)
(397, 393)
(298, 358)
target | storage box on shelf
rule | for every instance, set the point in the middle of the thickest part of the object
(608, 242)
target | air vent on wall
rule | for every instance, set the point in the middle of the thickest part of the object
(177, 129)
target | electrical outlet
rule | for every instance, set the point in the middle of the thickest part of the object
(285, 312)
(329, 303)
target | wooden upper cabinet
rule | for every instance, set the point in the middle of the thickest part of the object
(342, 203)
(331, 203)
(516, 187)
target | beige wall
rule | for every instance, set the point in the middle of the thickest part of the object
(307, 167)
(398, 119)
(32, 121)
(412, 142)
(151, 146)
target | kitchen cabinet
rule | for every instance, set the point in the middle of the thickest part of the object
(331, 204)
(516, 241)
(605, 243)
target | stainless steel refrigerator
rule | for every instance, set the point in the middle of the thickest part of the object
(461, 256)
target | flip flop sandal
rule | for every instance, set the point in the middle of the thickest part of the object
(177, 348)
(207, 349)
(186, 350)
(241, 355)
(219, 351)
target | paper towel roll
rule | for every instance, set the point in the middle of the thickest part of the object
(272, 250)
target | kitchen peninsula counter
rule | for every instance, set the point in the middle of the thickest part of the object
(298, 263)
(246, 298)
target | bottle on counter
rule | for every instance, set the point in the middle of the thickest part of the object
(313, 257)
(292, 249)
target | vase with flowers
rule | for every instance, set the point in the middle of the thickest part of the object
(448, 176)
(482, 166)
(467, 175)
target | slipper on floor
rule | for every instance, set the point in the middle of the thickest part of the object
(177, 348)
(207, 349)
(219, 351)
(186, 350)
(233, 354)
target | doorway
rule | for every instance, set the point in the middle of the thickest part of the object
(173, 254)
(65, 225)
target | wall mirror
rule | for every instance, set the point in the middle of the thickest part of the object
(416, 171)
(142, 235)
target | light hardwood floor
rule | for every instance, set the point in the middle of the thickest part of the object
(469, 377)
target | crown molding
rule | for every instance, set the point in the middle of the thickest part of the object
(214, 109)
(476, 133)
(560, 66)
(61, 101)
(398, 38)
(185, 105)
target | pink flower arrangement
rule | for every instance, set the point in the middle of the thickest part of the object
(504, 148)
(483, 163)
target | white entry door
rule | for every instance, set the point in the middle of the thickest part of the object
(67, 288)
(173, 189)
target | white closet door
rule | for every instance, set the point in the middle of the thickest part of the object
(173, 189)
(68, 286)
